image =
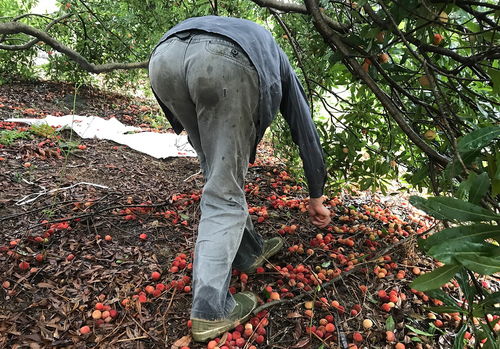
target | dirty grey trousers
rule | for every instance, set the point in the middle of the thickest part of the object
(211, 87)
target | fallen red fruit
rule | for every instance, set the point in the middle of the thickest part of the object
(85, 330)
(382, 294)
(386, 307)
(390, 336)
(155, 275)
(24, 265)
(357, 337)
(143, 236)
(70, 257)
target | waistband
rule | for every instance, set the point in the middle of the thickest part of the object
(195, 34)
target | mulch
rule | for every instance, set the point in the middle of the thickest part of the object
(76, 218)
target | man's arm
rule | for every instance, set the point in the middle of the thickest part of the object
(296, 112)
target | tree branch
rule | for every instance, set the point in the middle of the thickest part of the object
(297, 53)
(33, 42)
(336, 42)
(297, 8)
(16, 28)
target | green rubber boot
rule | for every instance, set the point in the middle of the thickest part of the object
(204, 330)
(270, 248)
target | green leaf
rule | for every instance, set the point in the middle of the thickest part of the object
(442, 296)
(465, 187)
(453, 251)
(481, 265)
(495, 78)
(491, 299)
(447, 208)
(490, 343)
(445, 309)
(459, 339)
(495, 187)
(390, 325)
(497, 164)
(435, 278)
(472, 233)
(479, 188)
(469, 291)
(420, 332)
(455, 167)
(478, 139)
(487, 305)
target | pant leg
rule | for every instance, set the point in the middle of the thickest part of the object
(224, 88)
(214, 94)
(250, 247)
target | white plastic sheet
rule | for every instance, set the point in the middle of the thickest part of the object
(157, 145)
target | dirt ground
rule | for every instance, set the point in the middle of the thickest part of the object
(85, 223)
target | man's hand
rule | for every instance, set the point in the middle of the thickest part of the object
(319, 215)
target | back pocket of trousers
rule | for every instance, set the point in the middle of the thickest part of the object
(230, 51)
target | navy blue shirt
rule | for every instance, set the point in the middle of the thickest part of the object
(280, 89)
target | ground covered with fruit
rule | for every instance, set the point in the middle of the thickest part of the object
(96, 244)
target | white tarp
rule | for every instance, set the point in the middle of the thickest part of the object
(157, 145)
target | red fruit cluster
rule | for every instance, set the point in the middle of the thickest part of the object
(155, 276)
(180, 263)
(130, 213)
(297, 248)
(323, 242)
(103, 314)
(181, 284)
(287, 229)
(390, 299)
(272, 295)
(299, 276)
(261, 212)
(325, 328)
(279, 202)
(356, 309)
(336, 305)
(244, 336)
(437, 39)
(52, 228)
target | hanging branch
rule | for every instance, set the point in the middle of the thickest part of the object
(16, 28)
(297, 53)
(297, 8)
(33, 42)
